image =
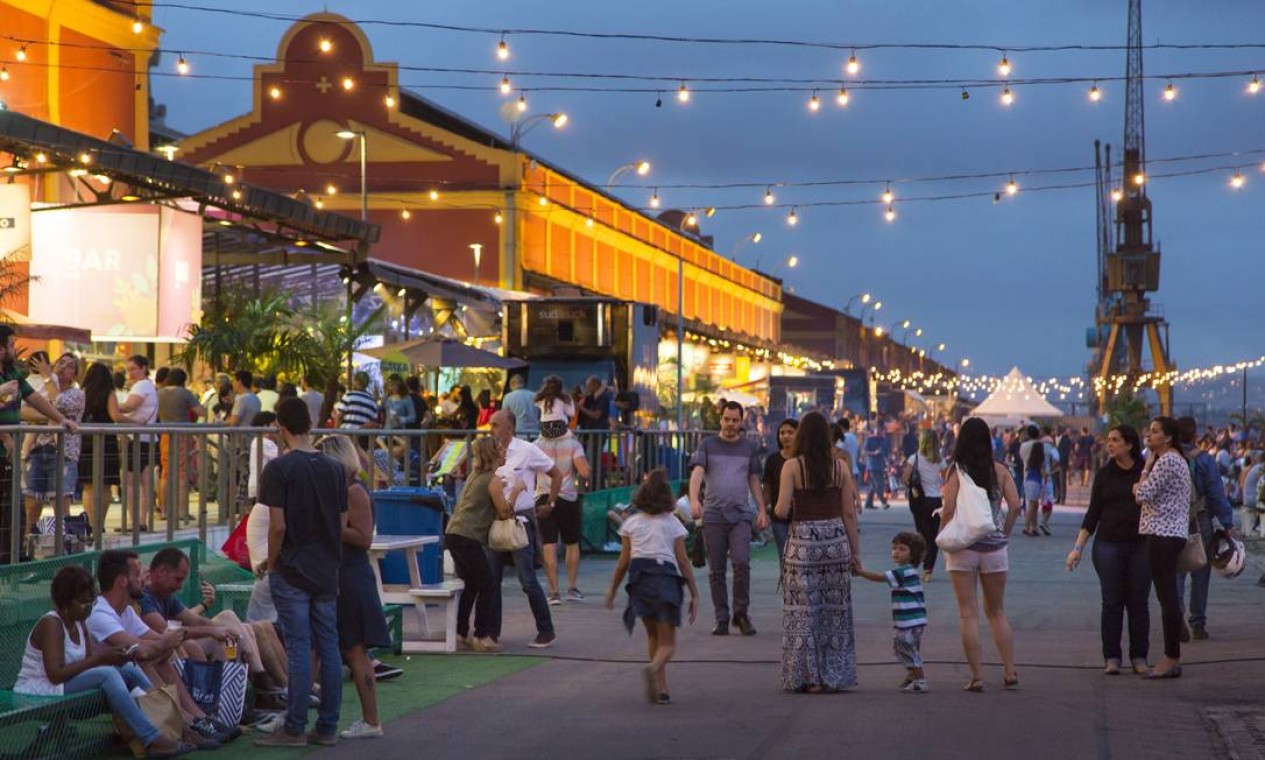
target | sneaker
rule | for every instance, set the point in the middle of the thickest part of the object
(908, 680)
(281, 738)
(232, 732)
(1198, 632)
(743, 624)
(325, 740)
(485, 644)
(574, 595)
(207, 730)
(720, 629)
(464, 643)
(385, 672)
(663, 699)
(362, 730)
(554, 600)
(543, 641)
(269, 722)
(916, 686)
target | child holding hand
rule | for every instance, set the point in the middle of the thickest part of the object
(909, 606)
(653, 555)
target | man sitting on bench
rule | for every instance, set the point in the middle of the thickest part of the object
(114, 623)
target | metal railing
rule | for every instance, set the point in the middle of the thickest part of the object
(199, 473)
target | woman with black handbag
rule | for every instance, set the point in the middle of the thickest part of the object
(924, 477)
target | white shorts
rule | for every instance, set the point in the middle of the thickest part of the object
(1031, 491)
(971, 561)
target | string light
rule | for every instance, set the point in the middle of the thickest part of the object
(522, 102)
(229, 179)
(1003, 68)
(887, 195)
(497, 218)
(41, 158)
(320, 204)
(654, 199)
(4, 73)
(503, 49)
(326, 45)
(965, 95)
(1095, 94)
(237, 194)
(182, 66)
(842, 98)
(1139, 179)
(1117, 194)
(405, 214)
(890, 214)
(433, 195)
(544, 201)
(769, 198)
(588, 222)
(1170, 92)
(1238, 180)
(85, 158)
(348, 83)
(854, 66)
(814, 103)
(137, 26)
(683, 94)
(389, 101)
(1012, 188)
(505, 85)
(1253, 86)
(691, 219)
(274, 92)
(1007, 96)
(21, 56)
(792, 219)
(331, 189)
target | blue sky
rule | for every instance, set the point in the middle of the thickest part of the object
(1004, 284)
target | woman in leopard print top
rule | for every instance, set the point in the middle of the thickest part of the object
(1164, 495)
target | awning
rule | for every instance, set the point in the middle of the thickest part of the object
(153, 177)
(442, 352)
(443, 287)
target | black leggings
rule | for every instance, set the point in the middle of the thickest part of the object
(1162, 552)
(471, 564)
(927, 526)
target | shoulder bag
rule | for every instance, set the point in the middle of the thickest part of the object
(915, 481)
(508, 535)
(972, 518)
(1193, 556)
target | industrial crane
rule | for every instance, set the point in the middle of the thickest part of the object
(1128, 263)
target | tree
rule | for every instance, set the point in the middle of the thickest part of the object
(1127, 409)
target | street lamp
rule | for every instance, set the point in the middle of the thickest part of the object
(641, 167)
(966, 363)
(865, 298)
(902, 325)
(874, 306)
(522, 126)
(904, 337)
(754, 237)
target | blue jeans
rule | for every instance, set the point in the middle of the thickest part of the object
(1199, 579)
(780, 530)
(878, 485)
(1125, 576)
(304, 617)
(117, 683)
(525, 566)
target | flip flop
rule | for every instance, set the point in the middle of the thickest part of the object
(975, 685)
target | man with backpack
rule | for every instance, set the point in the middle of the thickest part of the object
(1207, 500)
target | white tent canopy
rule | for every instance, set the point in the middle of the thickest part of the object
(1015, 398)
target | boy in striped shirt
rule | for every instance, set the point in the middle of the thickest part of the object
(909, 606)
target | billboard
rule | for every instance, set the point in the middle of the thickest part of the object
(122, 272)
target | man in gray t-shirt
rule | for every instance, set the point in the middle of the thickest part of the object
(730, 465)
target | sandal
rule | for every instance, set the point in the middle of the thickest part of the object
(1112, 668)
(1010, 682)
(1140, 667)
(1027, 532)
(975, 685)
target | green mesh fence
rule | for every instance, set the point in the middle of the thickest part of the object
(596, 530)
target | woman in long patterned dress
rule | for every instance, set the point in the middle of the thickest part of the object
(822, 550)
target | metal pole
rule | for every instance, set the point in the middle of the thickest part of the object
(364, 187)
(680, 362)
(1245, 403)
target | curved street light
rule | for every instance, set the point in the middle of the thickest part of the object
(641, 167)
(865, 298)
(874, 306)
(525, 125)
(754, 237)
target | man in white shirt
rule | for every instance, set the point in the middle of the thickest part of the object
(114, 622)
(523, 464)
(140, 408)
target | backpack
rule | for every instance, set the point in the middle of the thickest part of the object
(1198, 501)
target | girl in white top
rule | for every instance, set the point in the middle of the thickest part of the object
(556, 408)
(59, 658)
(931, 468)
(653, 555)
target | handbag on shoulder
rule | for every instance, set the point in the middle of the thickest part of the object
(972, 518)
(508, 535)
(915, 481)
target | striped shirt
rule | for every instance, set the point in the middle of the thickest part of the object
(909, 606)
(357, 409)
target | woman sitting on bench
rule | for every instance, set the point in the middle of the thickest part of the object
(60, 659)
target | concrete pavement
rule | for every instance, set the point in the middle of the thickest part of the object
(586, 701)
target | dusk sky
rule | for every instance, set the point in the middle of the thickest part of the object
(1004, 284)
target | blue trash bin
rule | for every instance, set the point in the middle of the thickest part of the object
(411, 512)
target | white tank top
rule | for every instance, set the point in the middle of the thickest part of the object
(32, 678)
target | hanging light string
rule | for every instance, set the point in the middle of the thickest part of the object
(502, 32)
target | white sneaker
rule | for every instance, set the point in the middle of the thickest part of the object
(554, 600)
(574, 595)
(362, 730)
(917, 686)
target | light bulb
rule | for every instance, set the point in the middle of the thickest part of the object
(405, 214)
(887, 195)
(769, 198)
(41, 158)
(1094, 93)
(434, 195)
(1012, 187)
(691, 220)
(229, 179)
(320, 204)
(137, 26)
(331, 189)
(1253, 86)
(643, 168)
(1003, 68)
(497, 218)
(182, 66)
(389, 101)
(854, 66)
(402, 291)
(792, 219)
(348, 83)
(1139, 179)
(274, 92)
(522, 103)
(21, 54)
(505, 85)
(326, 45)
(792, 262)
(503, 50)
(85, 158)
(757, 237)
(890, 214)
(544, 201)
(560, 120)
(1170, 92)
(965, 95)
(1237, 181)
(1007, 97)
(1117, 194)
(814, 103)
(654, 199)
(683, 94)
(842, 97)
(588, 222)
(237, 195)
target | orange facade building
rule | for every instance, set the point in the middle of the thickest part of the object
(535, 225)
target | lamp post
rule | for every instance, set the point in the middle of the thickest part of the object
(899, 325)
(641, 167)
(865, 299)
(790, 262)
(754, 237)
(873, 306)
(525, 125)
(905, 336)
(362, 140)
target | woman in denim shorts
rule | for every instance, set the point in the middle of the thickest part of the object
(986, 559)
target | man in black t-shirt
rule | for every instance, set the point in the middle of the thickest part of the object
(306, 494)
